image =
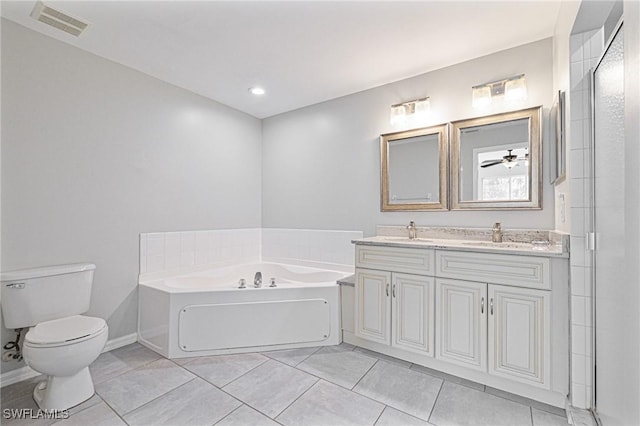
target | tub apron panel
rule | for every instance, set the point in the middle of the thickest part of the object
(239, 325)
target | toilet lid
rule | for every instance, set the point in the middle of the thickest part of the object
(64, 330)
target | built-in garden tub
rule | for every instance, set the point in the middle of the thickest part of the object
(207, 313)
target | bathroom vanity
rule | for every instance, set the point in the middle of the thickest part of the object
(493, 313)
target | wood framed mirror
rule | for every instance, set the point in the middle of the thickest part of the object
(414, 169)
(496, 161)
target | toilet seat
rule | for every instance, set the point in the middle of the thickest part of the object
(64, 331)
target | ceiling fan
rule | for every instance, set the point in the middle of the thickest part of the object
(510, 160)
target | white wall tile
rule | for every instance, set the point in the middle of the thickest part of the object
(577, 162)
(578, 313)
(577, 105)
(596, 44)
(575, 47)
(172, 251)
(576, 186)
(579, 339)
(577, 76)
(578, 395)
(143, 253)
(577, 281)
(578, 369)
(577, 135)
(155, 244)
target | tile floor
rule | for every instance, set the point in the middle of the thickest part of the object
(334, 385)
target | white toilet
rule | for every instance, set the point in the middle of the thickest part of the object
(61, 343)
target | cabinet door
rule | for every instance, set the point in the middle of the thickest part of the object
(519, 334)
(461, 331)
(373, 305)
(412, 313)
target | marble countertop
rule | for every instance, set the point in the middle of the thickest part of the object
(507, 247)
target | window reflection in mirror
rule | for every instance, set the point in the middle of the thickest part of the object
(496, 161)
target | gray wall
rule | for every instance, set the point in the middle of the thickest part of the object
(94, 153)
(321, 164)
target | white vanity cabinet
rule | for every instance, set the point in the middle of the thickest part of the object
(461, 316)
(394, 307)
(481, 315)
(496, 328)
(508, 322)
(519, 334)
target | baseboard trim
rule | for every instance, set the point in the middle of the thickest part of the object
(26, 372)
(18, 375)
(119, 342)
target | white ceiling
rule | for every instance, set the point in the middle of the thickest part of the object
(302, 53)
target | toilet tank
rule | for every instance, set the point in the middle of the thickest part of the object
(31, 296)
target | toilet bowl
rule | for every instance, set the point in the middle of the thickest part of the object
(61, 342)
(63, 349)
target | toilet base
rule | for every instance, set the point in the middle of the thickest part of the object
(61, 393)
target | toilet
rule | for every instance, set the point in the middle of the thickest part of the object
(61, 342)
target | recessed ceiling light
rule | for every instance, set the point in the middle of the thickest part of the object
(256, 91)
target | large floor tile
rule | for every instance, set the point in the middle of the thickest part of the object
(194, 403)
(223, 369)
(384, 357)
(526, 401)
(98, 415)
(245, 416)
(23, 412)
(344, 368)
(292, 357)
(113, 363)
(543, 418)
(401, 388)
(448, 377)
(392, 417)
(336, 348)
(329, 404)
(271, 387)
(18, 391)
(134, 388)
(459, 405)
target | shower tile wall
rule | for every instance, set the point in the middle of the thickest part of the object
(586, 49)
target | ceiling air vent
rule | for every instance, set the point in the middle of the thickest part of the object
(57, 19)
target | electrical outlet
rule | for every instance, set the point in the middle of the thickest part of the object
(562, 207)
(8, 356)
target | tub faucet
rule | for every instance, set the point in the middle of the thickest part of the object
(412, 230)
(496, 235)
(257, 280)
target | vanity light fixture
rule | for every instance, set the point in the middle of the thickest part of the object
(513, 89)
(416, 109)
(258, 91)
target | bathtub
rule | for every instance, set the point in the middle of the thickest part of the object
(206, 313)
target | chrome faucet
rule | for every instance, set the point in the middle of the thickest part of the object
(257, 280)
(412, 230)
(496, 235)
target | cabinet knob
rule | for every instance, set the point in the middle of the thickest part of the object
(482, 305)
(394, 290)
(387, 289)
(491, 305)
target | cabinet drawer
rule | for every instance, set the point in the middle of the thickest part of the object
(396, 259)
(521, 271)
